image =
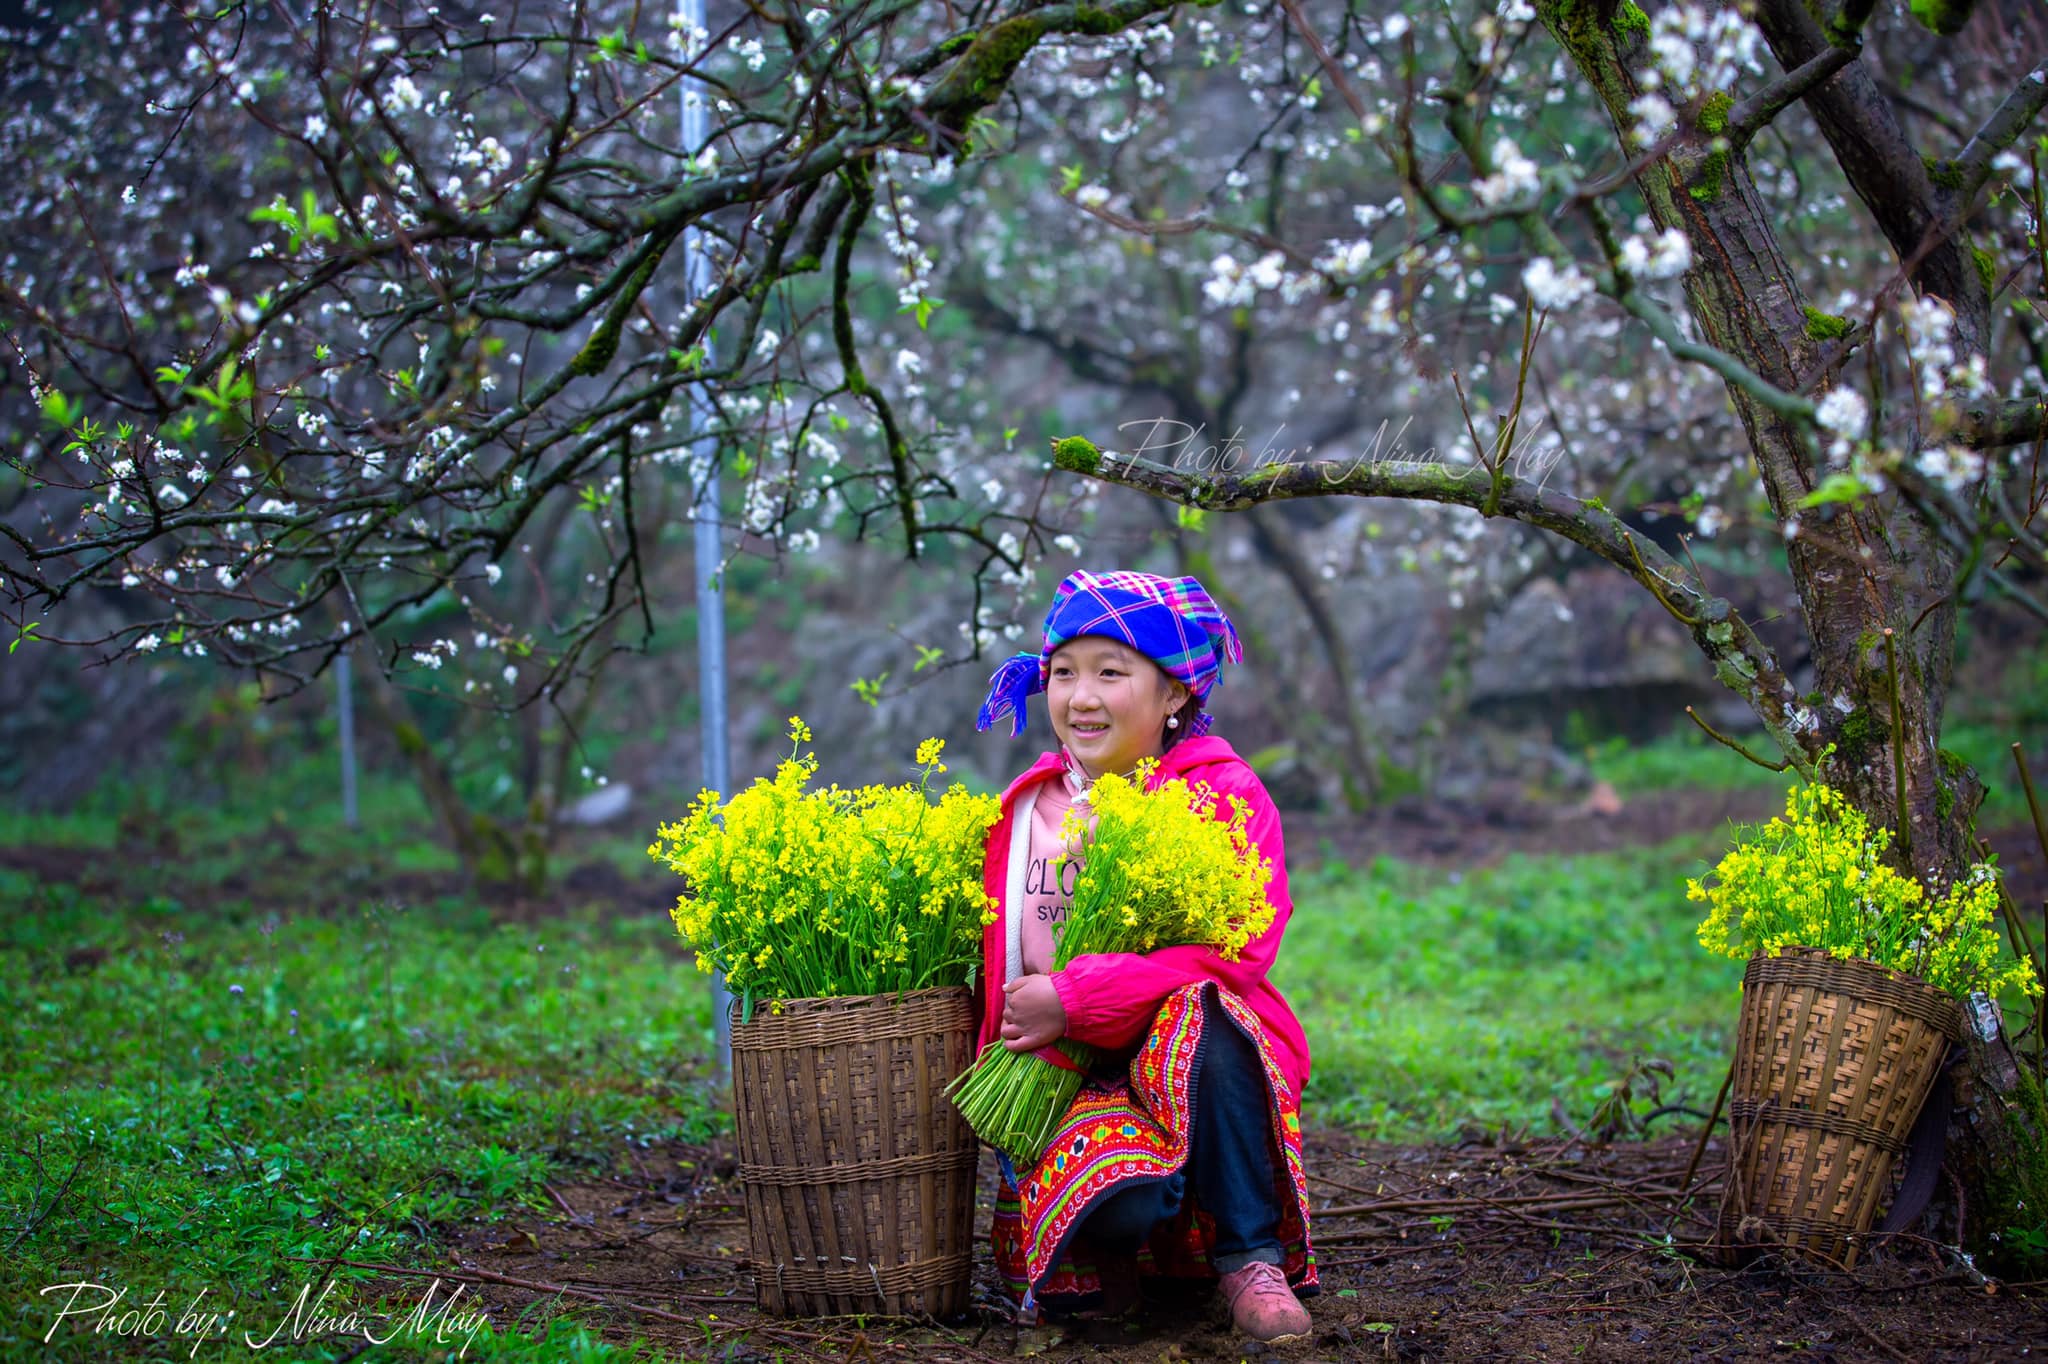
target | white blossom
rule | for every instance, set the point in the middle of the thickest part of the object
(1552, 288)
(1660, 257)
(1514, 176)
(147, 644)
(1654, 116)
(1929, 324)
(1843, 411)
(404, 94)
(1952, 466)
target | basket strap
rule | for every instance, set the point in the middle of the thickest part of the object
(869, 1278)
(792, 1176)
(1928, 1143)
(1770, 1110)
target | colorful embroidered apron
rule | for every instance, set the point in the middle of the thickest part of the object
(1137, 1129)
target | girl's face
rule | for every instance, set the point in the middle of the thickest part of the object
(1109, 703)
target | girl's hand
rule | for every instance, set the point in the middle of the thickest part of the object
(1033, 1016)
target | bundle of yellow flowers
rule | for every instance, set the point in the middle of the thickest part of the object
(1161, 870)
(801, 894)
(1814, 878)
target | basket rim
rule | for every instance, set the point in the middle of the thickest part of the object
(1803, 951)
(765, 1005)
(1945, 1008)
(922, 992)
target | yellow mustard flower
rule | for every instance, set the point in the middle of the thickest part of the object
(1815, 878)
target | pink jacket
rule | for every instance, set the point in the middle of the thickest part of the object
(1110, 998)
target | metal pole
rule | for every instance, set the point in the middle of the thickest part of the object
(344, 695)
(704, 452)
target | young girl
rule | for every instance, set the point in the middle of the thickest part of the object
(1193, 1152)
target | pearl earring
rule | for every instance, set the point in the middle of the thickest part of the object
(1173, 722)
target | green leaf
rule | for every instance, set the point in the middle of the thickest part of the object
(28, 630)
(1945, 17)
(870, 689)
(1070, 179)
(927, 655)
(85, 435)
(1836, 487)
(61, 412)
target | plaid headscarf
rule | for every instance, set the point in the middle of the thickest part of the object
(1171, 621)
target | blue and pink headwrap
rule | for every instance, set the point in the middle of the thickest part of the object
(1171, 621)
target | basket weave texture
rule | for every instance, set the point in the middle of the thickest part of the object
(858, 1172)
(1833, 1059)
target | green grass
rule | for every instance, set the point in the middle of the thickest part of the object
(291, 802)
(1435, 1001)
(1687, 759)
(209, 1111)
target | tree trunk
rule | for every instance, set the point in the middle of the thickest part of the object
(1873, 582)
(491, 853)
(1361, 767)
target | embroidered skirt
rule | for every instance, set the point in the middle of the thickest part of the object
(1132, 1130)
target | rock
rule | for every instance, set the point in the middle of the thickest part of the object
(601, 806)
(1596, 644)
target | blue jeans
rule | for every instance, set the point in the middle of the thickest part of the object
(1230, 1161)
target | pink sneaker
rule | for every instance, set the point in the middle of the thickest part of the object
(1262, 1306)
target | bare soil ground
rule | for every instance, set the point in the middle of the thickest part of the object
(1481, 1252)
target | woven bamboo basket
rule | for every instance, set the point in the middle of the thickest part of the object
(859, 1175)
(1833, 1060)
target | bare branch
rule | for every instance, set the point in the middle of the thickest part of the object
(2011, 118)
(2014, 422)
(1753, 114)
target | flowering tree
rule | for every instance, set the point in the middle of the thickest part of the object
(1893, 436)
(319, 325)
(314, 319)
